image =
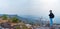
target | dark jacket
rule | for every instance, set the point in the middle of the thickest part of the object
(51, 15)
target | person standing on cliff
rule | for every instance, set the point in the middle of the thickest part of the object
(51, 16)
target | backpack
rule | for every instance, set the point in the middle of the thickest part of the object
(51, 15)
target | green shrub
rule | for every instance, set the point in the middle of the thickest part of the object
(15, 19)
(4, 17)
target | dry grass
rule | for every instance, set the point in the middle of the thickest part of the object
(3, 21)
(12, 24)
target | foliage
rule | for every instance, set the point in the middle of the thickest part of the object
(4, 17)
(15, 19)
(17, 27)
(24, 27)
(31, 23)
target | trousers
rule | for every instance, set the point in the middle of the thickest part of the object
(51, 22)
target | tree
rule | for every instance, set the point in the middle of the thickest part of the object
(24, 27)
(31, 23)
(15, 19)
(4, 17)
(17, 27)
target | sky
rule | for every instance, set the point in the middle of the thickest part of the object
(31, 7)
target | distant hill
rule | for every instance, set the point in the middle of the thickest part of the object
(26, 19)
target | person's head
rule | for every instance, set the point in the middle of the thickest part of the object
(50, 11)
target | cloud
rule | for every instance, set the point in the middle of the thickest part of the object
(30, 7)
